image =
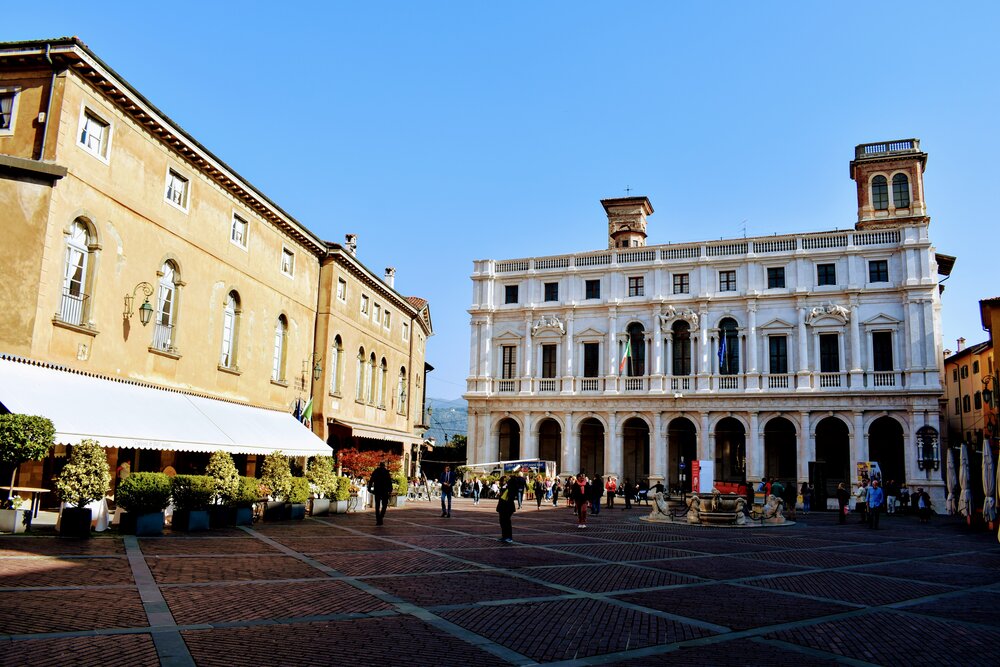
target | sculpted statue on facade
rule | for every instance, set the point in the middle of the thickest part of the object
(832, 310)
(671, 313)
(549, 322)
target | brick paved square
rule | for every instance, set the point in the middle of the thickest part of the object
(513, 556)
(47, 572)
(617, 552)
(735, 607)
(723, 567)
(28, 612)
(607, 578)
(461, 588)
(21, 545)
(557, 539)
(821, 558)
(322, 545)
(721, 546)
(563, 630)
(158, 546)
(360, 642)
(886, 638)
(452, 541)
(194, 570)
(254, 601)
(102, 651)
(953, 574)
(390, 562)
(850, 587)
(972, 607)
(735, 653)
(986, 559)
(307, 528)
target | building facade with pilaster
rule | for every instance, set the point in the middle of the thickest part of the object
(792, 356)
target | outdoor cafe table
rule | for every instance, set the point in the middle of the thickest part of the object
(36, 496)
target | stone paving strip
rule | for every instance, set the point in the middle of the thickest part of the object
(425, 590)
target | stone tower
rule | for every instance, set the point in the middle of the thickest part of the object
(627, 221)
(890, 179)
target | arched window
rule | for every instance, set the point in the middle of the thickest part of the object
(729, 347)
(635, 364)
(336, 360)
(370, 381)
(166, 308)
(230, 330)
(359, 392)
(880, 193)
(401, 392)
(901, 191)
(383, 377)
(73, 308)
(682, 348)
(280, 349)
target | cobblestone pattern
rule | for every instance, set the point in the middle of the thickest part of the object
(54, 546)
(107, 651)
(462, 587)
(204, 546)
(736, 653)
(973, 607)
(48, 572)
(324, 545)
(723, 567)
(390, 562)
(849, 587)
(607, 578)
(516, 556)
(28, 612)
(168, 570)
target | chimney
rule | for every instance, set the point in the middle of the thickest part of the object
(351, 243)
(961, 344)
(390, 276)
(627, 221)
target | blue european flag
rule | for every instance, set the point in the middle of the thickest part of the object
(722, 352)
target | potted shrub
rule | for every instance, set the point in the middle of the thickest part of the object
(84, 479)
(321, 478)
(298, 497)
(342, 495)
(192, 496)
(247, 493)
(276, 475)
(22, 438)
(225, 484)
(144, 495)
(402, 486)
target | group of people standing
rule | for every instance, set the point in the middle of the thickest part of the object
(870, 497)
(789, 494)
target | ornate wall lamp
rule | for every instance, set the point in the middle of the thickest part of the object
(146, 309)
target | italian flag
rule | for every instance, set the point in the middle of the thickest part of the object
(628, 353)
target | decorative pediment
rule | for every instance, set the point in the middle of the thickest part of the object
(671, 313)
(548, 324)
(777, 323)
(508, 335)
(590, 332)
(830, 311)
(882, 320)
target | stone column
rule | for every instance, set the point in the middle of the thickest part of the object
(753, 375)
(705, 440)
(529, 447)
(807, 448)
(657, 367)
(612, 447)
(569, 351)
(859, 443)
(528, 356)
(570, 446)
(704, 355)
(487, 353)
(610, 384)
(657, 452)
(802, 367)
(490, 450)
(669, 357)
(856, 368)
(755, 449)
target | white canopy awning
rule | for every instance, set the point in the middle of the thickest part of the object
(125, 414)
(377, 433)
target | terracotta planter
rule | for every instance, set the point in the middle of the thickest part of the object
(190, 520)
(75, 522)
(17, 521)
(320, 507)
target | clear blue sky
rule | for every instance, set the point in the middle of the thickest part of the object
(446, 132)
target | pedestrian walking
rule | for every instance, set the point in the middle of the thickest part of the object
(922, 500)
(555, 493)
(506, 509)
(843, 498)
(380, 486)
(518, 484)
(477, 490)
(891, 494)
(861, 500)
(611, 488)
(539, 489)
(627, 492)
(447, 480)
(581, 496)
(875, 499)
(904, 498)
(807, 495)
(790, 496)
(596, 491)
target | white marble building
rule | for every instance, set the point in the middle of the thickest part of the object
(792, 356)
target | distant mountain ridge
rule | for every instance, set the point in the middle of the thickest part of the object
(447, 418)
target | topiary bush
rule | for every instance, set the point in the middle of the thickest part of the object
(277, 475)
(225, 478)
(320, 474)
(402, 484)
(192, 492)
(300, 490)
(343, 491)
(24, 438)
(86, 475)
(248, 492)
(144, 493)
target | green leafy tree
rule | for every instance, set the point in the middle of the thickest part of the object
(343, 491)
(319, 472)
(24, 438)
(277, 475)
(300, 490)
(402, 484)
(86, 476)
(225, 478)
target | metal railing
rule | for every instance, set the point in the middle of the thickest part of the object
(163, 336)
(72, 308)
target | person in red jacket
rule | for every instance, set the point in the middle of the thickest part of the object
(581, 495)
(612, 488)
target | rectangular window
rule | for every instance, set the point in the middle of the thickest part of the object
(95, 135)
(341, 289)
(878, 271)
(978, 400)
(8, 107)
(776, 277)
(778, 353)
(882, 351)
(177, 190)
(593, 289)
(635, 286)
(826, 274)
(954, 375)
(975, 367)
(965, 371)
(364, 305)
(510, 294)
(551, 291)
(378, 314)
(287, 262)
(238, 234)
(727, 281)
(829, 353)
(682, 283)
(548, 361)
(591, 360)
(406, 331)
(387, 319)
(966, 404)
(509, 366)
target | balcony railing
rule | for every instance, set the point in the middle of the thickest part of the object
(729, 382)
(72, 307)
(680, 383)
(778, 381)
(590, 384)
(163, 336)
(506, 386)
(827, 380)
(546, 385)
(635, 384)
(883, 379)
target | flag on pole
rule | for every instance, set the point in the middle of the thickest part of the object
(297, 412)
(722, 351)
(307, 414)
(628, 353)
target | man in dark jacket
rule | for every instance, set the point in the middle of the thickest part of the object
(596, 491)
(380, 486)
(506, 509)
(447, 480)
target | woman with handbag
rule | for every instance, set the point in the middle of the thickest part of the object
(843, 497)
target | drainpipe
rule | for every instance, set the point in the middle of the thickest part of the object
(48, 103)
